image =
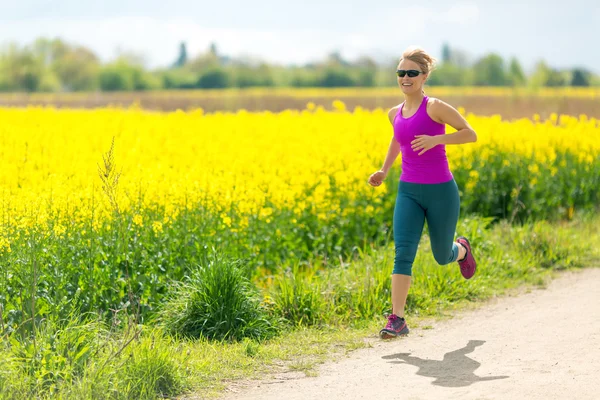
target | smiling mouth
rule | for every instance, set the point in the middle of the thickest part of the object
(407, 84)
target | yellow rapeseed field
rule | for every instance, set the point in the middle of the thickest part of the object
(50, 158)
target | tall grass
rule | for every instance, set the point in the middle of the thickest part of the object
(89, 358)
(86, 359)
(507, 255)
(217, 301)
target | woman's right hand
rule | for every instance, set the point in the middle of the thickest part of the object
(377, 178)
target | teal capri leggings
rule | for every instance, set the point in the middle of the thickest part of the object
(439, 204)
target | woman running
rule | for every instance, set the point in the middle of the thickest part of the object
(427, 190)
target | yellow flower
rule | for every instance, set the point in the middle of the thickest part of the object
(339, 105)
(137, 220)
(4, 245)
(157, 227)
(59, 230)
(227, 220)
(534, 168)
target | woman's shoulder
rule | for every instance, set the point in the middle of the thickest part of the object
(393, 112)
(433, 102)
(434, 105)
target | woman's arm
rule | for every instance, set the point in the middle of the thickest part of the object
(394, 147)
(391, 156)
(444, 113)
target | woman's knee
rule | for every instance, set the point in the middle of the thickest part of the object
(402, 269)
(443, 257)
(403, 261)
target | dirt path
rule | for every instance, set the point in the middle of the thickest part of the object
(539, 345)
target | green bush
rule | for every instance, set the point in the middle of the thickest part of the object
(216, 78)
(217, 301)
(152, 370)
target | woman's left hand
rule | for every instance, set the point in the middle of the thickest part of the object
(425, 142)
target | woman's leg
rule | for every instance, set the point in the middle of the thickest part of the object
(442, 210)
(409, 218)
(400, 286)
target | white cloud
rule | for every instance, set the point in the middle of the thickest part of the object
(416, 23)
(463, 14)
(159, 39)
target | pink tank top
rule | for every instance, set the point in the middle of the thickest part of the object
(431, 166)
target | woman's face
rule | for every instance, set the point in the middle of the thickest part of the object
(410, 84)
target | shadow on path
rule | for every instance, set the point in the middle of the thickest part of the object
(455, 370)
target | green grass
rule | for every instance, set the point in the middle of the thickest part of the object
(217, 302)
(85, 361)
(511, 259)
(323, 313)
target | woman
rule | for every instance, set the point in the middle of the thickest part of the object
(427, 190)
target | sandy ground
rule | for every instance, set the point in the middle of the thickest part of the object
(539, 345)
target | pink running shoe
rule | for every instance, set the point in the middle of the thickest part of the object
(467, 264)
(396, 326)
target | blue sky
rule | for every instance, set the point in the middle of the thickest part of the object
(565, 34)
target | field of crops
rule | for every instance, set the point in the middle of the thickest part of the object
(104, 210)
(272, 187)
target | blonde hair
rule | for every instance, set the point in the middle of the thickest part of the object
(419, 56)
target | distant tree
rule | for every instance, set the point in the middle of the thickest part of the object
(556, 78)
(489, 70)
(48, 51)
(366, 78)
(516, 75)
(213, 49)
(215, 78)
(77, 69)
(580, 77)
(335, 59)
(22, 69)
(182, 58)
(450, 74)
(208, 60)
(543, 75)
(49, 82)
(253, 76)
(178, 79)
(116, 77)
(336, 77)
(446, 54)
(303, 77)
(367, 72)
(121, 75)
(540, 75)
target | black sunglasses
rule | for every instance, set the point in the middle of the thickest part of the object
(411, 73)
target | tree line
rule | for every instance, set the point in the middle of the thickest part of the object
(53, 65)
